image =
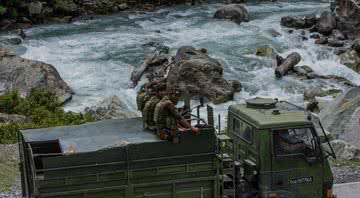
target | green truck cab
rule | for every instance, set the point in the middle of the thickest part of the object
(269, 149)
(280, 149)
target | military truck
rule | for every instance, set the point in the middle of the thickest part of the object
(269, 149)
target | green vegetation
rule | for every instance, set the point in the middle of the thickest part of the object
(41, 107)
(8, 166)
(347, 163)
(2, 10)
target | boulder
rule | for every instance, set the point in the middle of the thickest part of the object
(337, 34)
(351, 59)
(310, 20)
(264, 51)
(313, 92)
(315, 36)
(123, 6)
(335, 43)
(345, 151)
(322, 41)
(327, 23)
(24, 74)
(8, 118)
(111, 108)
(348, 14)
(356, 46)
(199, 75)
(233, 12)
(35, 7)
(65, 7)
(341, 116)
(10, 40)
(293, 22)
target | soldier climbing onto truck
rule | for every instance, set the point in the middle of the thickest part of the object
(167, 118)
(149, 108)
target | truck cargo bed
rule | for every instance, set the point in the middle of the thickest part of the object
(116, 158)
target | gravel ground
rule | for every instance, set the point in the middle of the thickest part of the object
(10, 186)
(9, 174)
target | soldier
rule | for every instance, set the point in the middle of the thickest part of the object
(149, 109)
(167, 118)
(144, 95)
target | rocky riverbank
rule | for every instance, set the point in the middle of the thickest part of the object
(22, 14)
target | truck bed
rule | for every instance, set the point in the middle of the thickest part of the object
(116, 158)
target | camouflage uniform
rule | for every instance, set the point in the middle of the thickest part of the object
(149, 110)
(141, 100)
(166, 116)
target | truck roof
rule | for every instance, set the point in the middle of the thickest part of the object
(93, 136)
(271, 115)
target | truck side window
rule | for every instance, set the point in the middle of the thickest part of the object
(243, 130)
(294, 142)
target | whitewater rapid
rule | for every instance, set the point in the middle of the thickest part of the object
(95, 57)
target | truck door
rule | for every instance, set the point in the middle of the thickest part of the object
(296, 163)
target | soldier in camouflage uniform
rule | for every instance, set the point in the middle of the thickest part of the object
(167, 118)
(149, 108)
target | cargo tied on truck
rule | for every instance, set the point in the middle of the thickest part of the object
(270, 148)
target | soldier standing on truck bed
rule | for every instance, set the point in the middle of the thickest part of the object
(167, 118)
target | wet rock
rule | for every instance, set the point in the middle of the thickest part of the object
(313, 29)
(111, 108)
(351, 59)
(348, 14)
(65, 7)
(338, 79)
(313, 106)
(315, 36)
(287, 64)
(291, 31)
(345, 151)
(356, 46)
(123, 6)
(335, 43)
(233, 12)
(35, 7)
(321, 41)
(273, 32)
(302, 70)
(304, 38)
(337, 34)
(340, 51)
(264, 51)
(66, 19)
(199, 75)
(7, 118)
(310, 20)
(293, 22)
(341, 116)
(313, 92)
(24, 74)
(10, 40)
(327, 23)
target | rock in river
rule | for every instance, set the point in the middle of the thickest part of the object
(111, 108)
(341, 116)
(351, 59)
(199, 75)
(327, 23)
(24, 74)
(233, 12)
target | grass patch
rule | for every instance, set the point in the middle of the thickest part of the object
(41, 107)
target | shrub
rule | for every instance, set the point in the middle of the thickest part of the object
(2, 10)
(41, 107)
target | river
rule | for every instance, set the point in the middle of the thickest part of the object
(95, 57)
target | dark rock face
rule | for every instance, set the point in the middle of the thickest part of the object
(348, 14)
(199, 75)
(341, 117)
(23, 74)
(233, 12)
(293, 22)
(327, 23)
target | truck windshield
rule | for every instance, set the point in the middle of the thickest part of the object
(289, 142)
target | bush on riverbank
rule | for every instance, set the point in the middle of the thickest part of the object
(41, 107)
